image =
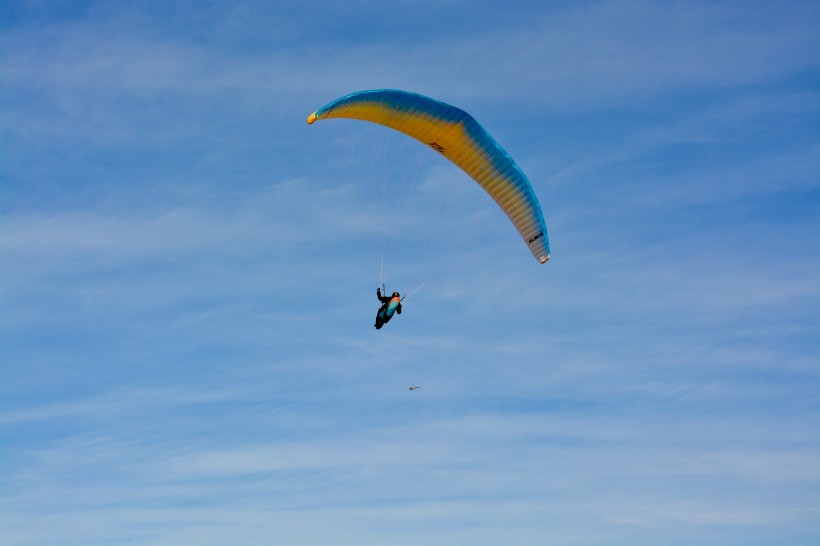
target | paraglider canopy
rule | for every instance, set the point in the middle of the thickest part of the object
(460, 138)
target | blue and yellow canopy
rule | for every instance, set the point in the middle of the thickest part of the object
(460, 138)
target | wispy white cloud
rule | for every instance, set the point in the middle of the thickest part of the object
(414, 471)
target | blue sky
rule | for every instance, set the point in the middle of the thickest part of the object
(188, 270)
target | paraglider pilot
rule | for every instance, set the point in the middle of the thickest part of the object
(390, 305)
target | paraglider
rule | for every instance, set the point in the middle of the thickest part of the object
(390, 306)
(460, 138)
